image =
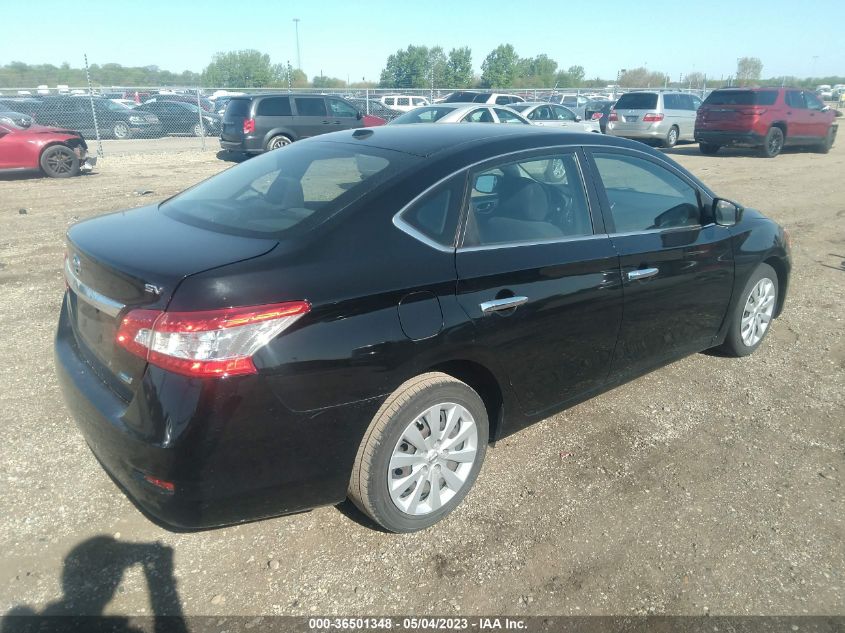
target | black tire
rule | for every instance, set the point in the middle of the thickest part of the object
(368, 484)
(121, 130)
(59, 161)
(773, 143)
(671, 137)
(827, 143)
(709, 149)
(734, 345)
(280, 140)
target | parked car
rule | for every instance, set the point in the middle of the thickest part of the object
(258, 123)
(178, 117)
(824, 92)
(474, 96)
(655, 116)
(599, 111)
(765, 118)
(204, 103)
(374, 107)
(358, 315)
(16, 119)
(56, 153)
(403, 103)
(551, 115)
(460, 113)
(114, 120)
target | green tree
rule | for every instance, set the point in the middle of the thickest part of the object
(499, 68)
(748, 70)
(642, 78)
(536, 72)
(458, 72)
(240, 69)
(413, 67)
(577, 75)
(322, 82)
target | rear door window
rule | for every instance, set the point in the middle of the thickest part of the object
(274, 106)
(637, 101)
(311, 106)
(505, 116)
(563, 114)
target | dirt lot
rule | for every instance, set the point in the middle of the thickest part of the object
(713, 485)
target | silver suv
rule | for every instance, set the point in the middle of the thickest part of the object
(665, 117)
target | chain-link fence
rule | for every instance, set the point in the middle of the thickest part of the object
(149, 113)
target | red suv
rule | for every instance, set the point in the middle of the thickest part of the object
(765, 118)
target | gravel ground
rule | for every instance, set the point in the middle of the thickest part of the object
(713, 485)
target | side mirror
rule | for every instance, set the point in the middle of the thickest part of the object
(826, 108)
(726, 213)
(486, 183)
(577, 118)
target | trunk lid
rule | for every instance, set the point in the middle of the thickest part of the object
(135, 259)
(237, 110)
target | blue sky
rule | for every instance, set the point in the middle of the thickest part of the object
(353, 39)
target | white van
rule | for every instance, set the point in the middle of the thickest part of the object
(403, 103)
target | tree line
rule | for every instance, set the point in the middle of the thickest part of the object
(414, 67)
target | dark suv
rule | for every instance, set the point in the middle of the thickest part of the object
(764, 118)
(259, 123)
(114, 120)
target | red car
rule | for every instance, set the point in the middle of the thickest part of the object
(55, 152)
(764, 118)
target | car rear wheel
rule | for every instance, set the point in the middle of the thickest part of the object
(59, 161)
(421, 453)
(199, 130)
(708, 149)
(773, 143)
(671, 137)
(120, 130)
(278, 141)
(753, 313)
(827, 143)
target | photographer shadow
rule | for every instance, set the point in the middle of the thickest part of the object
(91, 575)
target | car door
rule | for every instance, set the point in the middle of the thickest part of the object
(672, 112)
(479, 115)
(342, 115)
(543, 116)
(677, 265)
(818, 120)
(539, 277)
(312, 117)
(563, 116)
(797, 116)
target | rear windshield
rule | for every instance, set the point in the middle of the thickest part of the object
(288, 191)
(428, 114)
(637, 101)
(237, 109)
(742, 97)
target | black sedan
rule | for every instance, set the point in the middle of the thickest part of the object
(358, 314)
(178, 117)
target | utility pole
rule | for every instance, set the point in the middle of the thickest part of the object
(298, 56)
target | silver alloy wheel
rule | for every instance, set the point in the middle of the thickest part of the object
(757, 313)
(121, 130)
(198, 130)
(279, 141)
(432, 459)
(673, 136)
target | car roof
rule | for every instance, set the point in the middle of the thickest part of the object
(427, 139)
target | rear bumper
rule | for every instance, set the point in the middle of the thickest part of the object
(745, 139)
(652, 131)
(248, 145)
(232, 452)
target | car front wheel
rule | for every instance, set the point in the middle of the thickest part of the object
(59, 161)
(753, 313)
(421, 453)
(825, 146)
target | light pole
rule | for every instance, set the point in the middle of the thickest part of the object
(298, 57)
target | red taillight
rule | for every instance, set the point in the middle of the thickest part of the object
(753, 111)
(206, 343)
(596, 116)
(167, 486)
(613, 116)
(249, 126)
(652, 117)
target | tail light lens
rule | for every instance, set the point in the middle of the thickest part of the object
(206, 343)
(652, 117)
(613, 116)
(596, 116)
(249, 126)
(753, 111)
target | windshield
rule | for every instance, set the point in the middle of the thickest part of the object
(287, 191)
(741, 97)
(237, 109)
(637, 101)
(428, 114)
(15, 120)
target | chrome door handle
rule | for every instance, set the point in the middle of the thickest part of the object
(497, 305)
(642, 273)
